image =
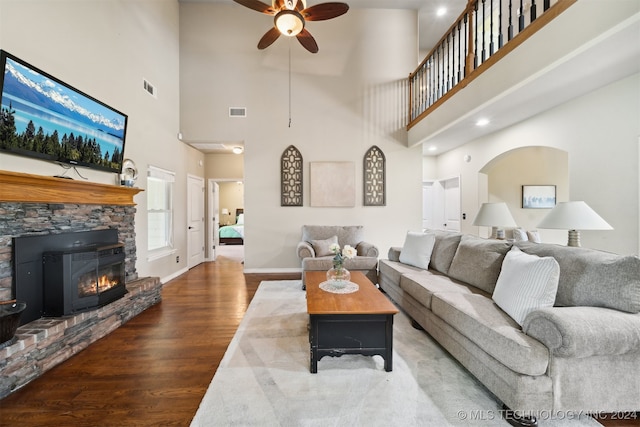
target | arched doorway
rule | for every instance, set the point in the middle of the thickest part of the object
(504, 175)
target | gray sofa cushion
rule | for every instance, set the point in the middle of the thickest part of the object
(444, 249)
(584, 331)
(590, 277)
(481, 320)
(422, 285)
(395, 269)
(478, 261)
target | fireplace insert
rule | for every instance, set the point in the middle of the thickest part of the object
(81, 278)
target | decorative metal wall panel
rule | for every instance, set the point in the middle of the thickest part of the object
(374, 170)
(291, 177)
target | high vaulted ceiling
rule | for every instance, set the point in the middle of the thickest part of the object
(431, 26)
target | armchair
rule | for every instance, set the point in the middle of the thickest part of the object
(313, 249)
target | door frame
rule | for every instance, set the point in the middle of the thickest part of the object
(213, 216)
(437, 197)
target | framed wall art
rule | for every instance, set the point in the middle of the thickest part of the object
(538, 196)
(291, 177)
(374, 176)
(332, 184)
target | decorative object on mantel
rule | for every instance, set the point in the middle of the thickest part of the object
(574, 216)
(339, 276)
(291, 167)
(496, 216)
(374, 179)
(290, 17)
(129, 173)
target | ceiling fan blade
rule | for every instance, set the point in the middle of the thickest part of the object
(268, 38)
(306, 39)
(323, 11)
(257, 5)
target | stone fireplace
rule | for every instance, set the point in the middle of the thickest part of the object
(40, 208)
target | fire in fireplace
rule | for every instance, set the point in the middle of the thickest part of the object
(81, 278)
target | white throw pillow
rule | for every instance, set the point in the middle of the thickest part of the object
(534, 236)
(240, 220)
(417, 249)
(519, 235)
(323, 247)
(526, 282)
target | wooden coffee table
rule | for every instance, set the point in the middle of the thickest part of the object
(356, 323)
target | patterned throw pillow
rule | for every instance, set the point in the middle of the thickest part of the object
(519, 235)
(526, 282)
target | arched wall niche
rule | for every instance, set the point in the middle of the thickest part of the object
(501, 180)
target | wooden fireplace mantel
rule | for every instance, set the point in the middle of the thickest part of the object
(24, 187)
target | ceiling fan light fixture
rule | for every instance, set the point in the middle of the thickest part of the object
(289, 22)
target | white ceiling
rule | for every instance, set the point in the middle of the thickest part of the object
(431, 26)
(431, 29)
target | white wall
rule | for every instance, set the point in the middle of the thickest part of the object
(345, 99)
(105, 48)
(600, 133)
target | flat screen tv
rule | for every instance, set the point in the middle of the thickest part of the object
(45, 118)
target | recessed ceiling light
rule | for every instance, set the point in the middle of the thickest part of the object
(482, 122)
(432, 148)
(441, 11)
(237, 150)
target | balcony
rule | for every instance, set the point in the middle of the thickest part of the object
(506, 65)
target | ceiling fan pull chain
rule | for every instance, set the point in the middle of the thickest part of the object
(289, 83)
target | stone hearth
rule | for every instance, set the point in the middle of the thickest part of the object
(46, 342)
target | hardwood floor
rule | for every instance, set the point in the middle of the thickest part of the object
(155, 369)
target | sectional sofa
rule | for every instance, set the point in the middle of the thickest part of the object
(576, 347)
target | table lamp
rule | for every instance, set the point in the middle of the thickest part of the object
(225, 212)
(495, 215)
(574, 216)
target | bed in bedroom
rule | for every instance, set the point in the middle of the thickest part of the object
(233, 234)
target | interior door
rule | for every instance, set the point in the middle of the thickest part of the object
(451, 191)
(214, 197)
(195, 220)
(441, 204)
(427, 205)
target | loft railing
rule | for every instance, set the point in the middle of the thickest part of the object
(485, 32)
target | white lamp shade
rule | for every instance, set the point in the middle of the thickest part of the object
(225, 211)
(494, 215)
(574, 216)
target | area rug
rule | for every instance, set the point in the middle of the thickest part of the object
(264, 379)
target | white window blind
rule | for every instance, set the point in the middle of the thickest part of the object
(160, 210)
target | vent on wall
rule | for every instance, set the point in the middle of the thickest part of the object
(237, 112)
(151, 89)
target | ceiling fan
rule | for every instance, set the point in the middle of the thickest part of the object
(290, 17)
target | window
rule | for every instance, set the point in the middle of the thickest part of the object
(160, 211)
